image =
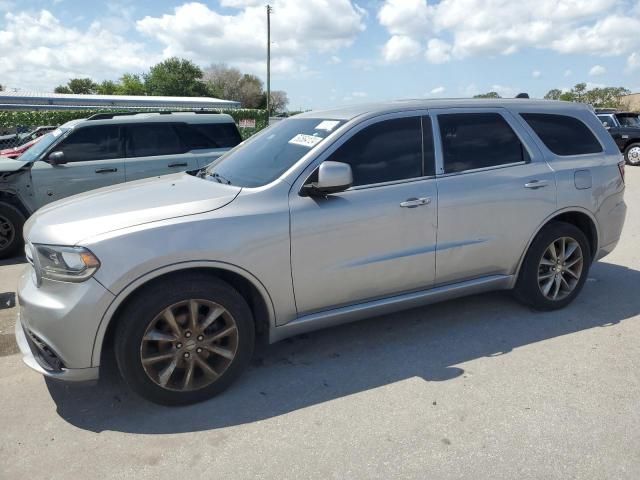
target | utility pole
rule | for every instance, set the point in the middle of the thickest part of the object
(269, 11)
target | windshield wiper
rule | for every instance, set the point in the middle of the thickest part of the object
(220, 178)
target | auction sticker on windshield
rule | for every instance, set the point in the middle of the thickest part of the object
(328, 125)
(303, 140)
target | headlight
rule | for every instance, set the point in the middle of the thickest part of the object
(63, 264)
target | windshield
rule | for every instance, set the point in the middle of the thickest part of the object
(629, 120)
(264, 157)
(41, 145)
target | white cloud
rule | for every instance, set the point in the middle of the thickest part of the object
(438, 51)
(633, 62)
(334, 60)
(39, 52)
(568, 73)
(503, 27)
(536, 74)
(404, 17)
(399, 47)
(197, 32)
(437, 90)
(359, 94)
(597, 70)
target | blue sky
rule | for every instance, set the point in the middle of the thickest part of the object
(330, 52)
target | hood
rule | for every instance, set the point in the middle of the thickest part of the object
(10, 165)
(73, 219)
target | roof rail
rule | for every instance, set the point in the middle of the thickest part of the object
(107, 116)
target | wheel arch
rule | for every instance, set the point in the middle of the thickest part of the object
(577, 216)
(247, 285)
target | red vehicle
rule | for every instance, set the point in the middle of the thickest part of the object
(15, 152)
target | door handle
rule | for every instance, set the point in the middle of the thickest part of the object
(534, 184)
(174, 165)
(106, 170)
(415, 202)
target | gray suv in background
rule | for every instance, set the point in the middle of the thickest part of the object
(103, 150)
(324, 218)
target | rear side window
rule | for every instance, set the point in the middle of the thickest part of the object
(563, 135)
(383, 152)
(146, 140)
(91, 143)
(209, 135)
(478, 140)
(224, 135)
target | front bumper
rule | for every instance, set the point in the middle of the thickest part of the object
(58, 324)
(35, 359)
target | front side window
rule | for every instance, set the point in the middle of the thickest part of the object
(478, 140)
(383, 152)
(629, 120)
(151, 139)
(563, 135)
(101, 142)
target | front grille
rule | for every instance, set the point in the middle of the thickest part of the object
(44, 355)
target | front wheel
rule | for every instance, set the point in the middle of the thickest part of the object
(11, 223)
(632, 154)
(184, 340)
(555, 267)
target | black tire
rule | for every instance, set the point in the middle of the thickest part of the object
(632, 158)
(155, 298)
(11, 223)
(527, 289)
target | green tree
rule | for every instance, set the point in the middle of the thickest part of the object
(131, 84)
(107, 87)
(251, 92)
(553, 94)
(78, 85)
(488, 95)
(175, 77)
(223, 82)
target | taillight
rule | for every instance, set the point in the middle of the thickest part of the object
(621, 169)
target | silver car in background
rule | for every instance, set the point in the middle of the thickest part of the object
(321, 219)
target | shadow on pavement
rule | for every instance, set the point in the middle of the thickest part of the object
(428, 343)
(13, 261)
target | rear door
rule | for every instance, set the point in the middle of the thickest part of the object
(154, 149)
(94, 159)
(494, 190)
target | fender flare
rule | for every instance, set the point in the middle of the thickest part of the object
(133, 286)
(571, 209)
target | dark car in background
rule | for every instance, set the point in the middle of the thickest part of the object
(624, 127)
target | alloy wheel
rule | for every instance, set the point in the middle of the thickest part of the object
(189, 345)
(560, 268)
(7, 233)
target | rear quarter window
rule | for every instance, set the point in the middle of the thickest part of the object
(217, 135)
(562, 134)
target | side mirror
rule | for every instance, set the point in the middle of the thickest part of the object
(333, 177)
(56, 158)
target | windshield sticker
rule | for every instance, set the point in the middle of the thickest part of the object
(327, 125)
(303, 140)
(57, 132)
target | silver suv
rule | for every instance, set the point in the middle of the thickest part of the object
(324, 218)
(102, 150)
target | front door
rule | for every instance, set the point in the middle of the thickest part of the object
(378, 238)
(93, 157)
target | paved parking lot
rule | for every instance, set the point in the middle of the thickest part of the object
(474, 388)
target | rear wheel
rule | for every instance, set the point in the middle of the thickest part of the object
(632, 154)
(185, 340)
(11, 223)
(555, 267)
